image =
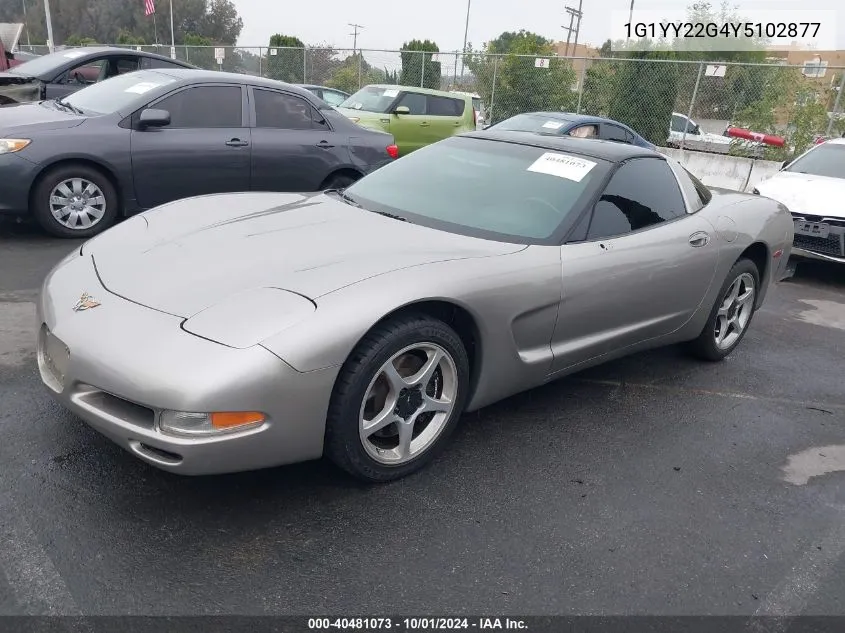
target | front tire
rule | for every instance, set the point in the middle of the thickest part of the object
(731, 315)
(338, 181)
(74, 201)
(397, 399)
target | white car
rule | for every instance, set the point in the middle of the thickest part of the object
(812, 186)
(696, 138)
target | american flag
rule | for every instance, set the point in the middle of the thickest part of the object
(149, 7)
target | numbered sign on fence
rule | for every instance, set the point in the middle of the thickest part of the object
(715, 70)
(542, 62)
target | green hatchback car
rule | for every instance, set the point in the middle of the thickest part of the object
(416, 117)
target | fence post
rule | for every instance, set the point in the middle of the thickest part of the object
(260, 56)
(455, 76)
(422, 72)
(692, 102)
(304, 64)
(360, 60)
(493, 91)
(581, 85)
(836, 103)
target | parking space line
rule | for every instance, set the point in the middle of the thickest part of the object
(35, 583)
(826, 406)
(791, 595)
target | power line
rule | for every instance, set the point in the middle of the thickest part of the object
(574, 14)
(355, 34)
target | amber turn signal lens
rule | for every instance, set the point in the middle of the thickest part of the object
(237, 418)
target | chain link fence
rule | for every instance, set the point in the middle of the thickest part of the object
(676, 103)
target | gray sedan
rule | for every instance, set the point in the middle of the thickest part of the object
(244, 331)
(143, 139)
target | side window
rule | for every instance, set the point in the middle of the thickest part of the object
(610, 132)
(677, 123)
(414, 101)
(87, 73)
(333, 98)
(154, 62)
(585, 131)
(282, 111)
(444, 106)
(204, 107)
(697, 194)
(629, 137)
(125, 65)
(642, 193)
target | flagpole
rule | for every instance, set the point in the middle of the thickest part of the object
(155, 29)
(172, 37)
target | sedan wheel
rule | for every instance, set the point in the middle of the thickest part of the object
(75, 201)
(735, 312)
(731, 315)
(397, 398)
(408, 403)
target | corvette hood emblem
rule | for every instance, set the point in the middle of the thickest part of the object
(86, 302)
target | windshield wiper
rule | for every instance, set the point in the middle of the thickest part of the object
(61, 102)
(391, 216)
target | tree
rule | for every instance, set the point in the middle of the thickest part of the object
(286, 61)
(124, 38)
(354, 73)
(221, 22)
(599, 88)
(417, 67)
(322, 63)
(199, 51)
(521, 86)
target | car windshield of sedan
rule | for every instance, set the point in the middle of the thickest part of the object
(484, 188)
(827, 159)
(122, 93)
(371, 99)
(534, 123)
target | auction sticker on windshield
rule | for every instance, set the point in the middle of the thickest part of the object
(562, 166)
(74, 54)
(552, 125)
(141, 88)
(391, 93)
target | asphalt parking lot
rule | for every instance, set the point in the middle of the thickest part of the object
(652, 485)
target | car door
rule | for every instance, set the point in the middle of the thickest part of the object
(205, 149)
(637, 267)
(445, 116)
(413, 130)
(293, 146)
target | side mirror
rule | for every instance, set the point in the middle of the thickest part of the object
(154, 118)
(402, 110)
(785, 164)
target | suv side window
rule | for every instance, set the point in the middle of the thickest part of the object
(444, 106)
(642, 193)
(282, 111)
(610, 132)
(204, 107)
(414, 101)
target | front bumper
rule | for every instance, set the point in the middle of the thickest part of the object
(827, 249)
(119, 365)
(16, 177)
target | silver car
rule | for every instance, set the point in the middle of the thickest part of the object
(241, 331)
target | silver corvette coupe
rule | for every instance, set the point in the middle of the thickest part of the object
(241, 331)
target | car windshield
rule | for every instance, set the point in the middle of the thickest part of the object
(371, 99)
(485, 188)
(827, 159)
(47, 65)
(534, 123)
(118, 94)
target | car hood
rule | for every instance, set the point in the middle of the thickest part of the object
(805, 193)
(374, 120)
(189, 255)
(35, 117)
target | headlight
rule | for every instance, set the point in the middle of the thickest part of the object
(203, 424)
(12, 145)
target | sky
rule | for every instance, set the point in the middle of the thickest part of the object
(389, 23)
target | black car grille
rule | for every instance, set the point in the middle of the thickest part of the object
(830, 245)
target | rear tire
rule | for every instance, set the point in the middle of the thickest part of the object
(397, 399)
(731, 314)
(74, 201)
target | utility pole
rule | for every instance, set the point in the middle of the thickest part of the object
(466, 33)
(52, 44)
(26, 24)
(574, 14)
(357, 27)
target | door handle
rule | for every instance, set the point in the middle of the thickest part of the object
(324, 145)
(425, 124)
(699, 239)
(236, 142)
